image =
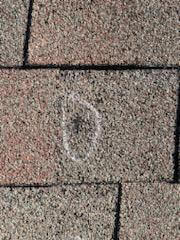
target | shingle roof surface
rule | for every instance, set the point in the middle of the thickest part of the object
(89, 120)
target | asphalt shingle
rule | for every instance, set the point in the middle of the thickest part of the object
(104, 32)
(13, 18)
(67, 129)
(62, 213)
(87, 125)
(150, 211)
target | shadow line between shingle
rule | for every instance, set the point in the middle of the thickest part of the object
(101, 67)
(176, 159)
(28, 33)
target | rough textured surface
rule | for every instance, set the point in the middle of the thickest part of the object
(111, 32)
(27, 132)
(116, 126)
(62, 213)
(133, 136)
(13, 18)
(150, 211)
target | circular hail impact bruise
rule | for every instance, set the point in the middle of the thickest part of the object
(75, 97)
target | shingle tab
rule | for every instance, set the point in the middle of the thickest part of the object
(150, 211)
(62, 213)
(13, 18)
(87, 125)
(105, 32)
